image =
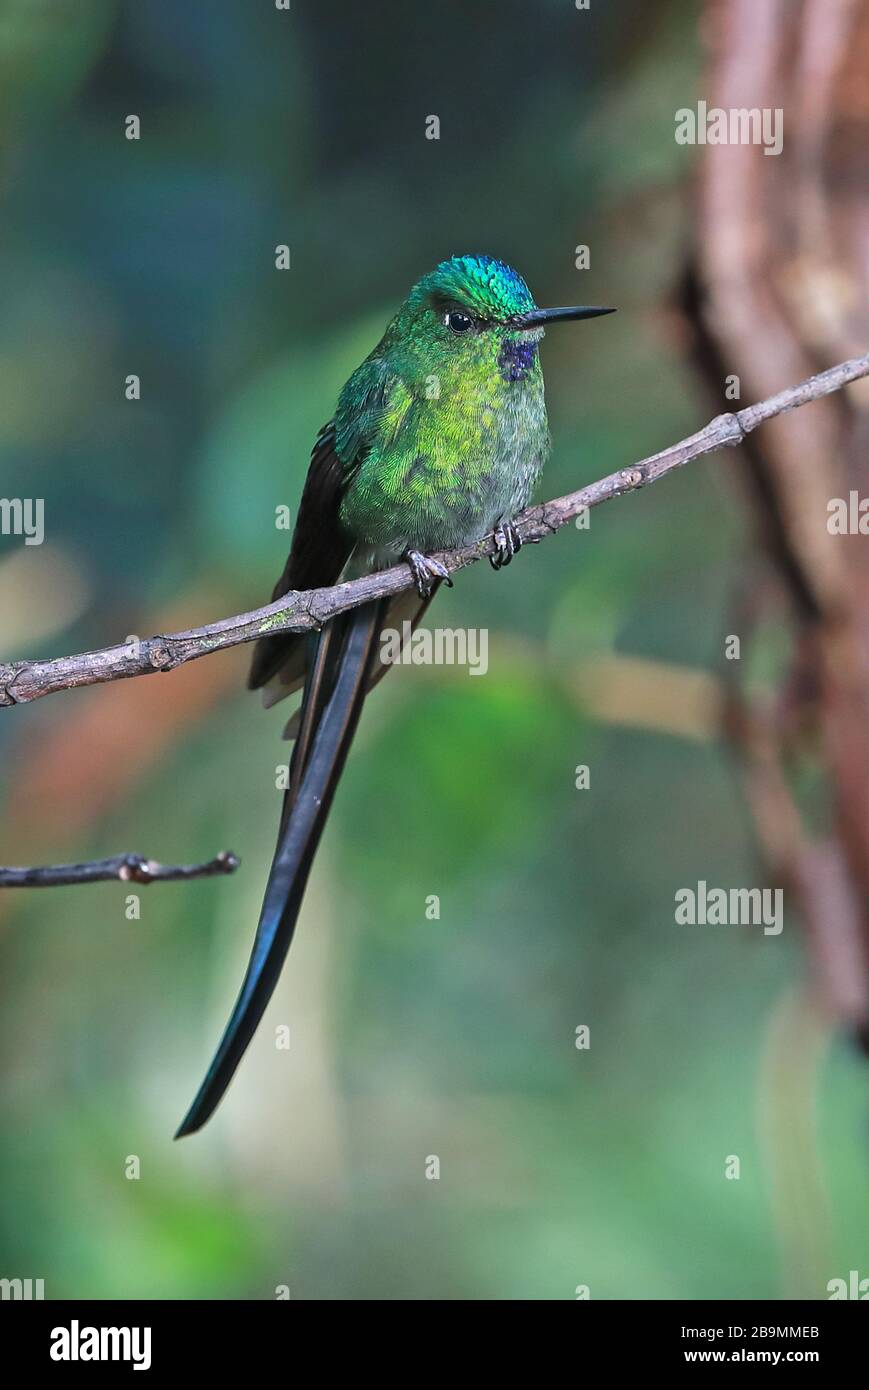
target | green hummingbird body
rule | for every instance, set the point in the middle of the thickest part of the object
(443, 428)
(438, 438)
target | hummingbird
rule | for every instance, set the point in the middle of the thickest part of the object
(437, 440)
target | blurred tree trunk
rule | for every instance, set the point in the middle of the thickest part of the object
(778, 288)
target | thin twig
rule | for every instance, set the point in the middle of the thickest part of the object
(303, 611)
(129, 868)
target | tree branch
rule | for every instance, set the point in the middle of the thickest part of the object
(129, 868)
(304, 611)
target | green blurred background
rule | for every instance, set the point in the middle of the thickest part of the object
(409, 1037)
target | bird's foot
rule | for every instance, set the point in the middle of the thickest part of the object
(427, 573)
(507, 542)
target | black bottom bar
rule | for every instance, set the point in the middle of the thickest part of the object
(74, 1338)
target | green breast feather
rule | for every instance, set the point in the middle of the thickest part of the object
(439, 444)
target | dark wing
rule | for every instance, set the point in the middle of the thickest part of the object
(319, 551)
(321, 547)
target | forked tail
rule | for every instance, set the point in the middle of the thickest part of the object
(334, 694)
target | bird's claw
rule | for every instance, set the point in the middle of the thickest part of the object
(507, 543)
(427, 573)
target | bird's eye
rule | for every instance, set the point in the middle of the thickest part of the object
(458, 321)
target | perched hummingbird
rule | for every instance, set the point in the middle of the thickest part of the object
(438, 439)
